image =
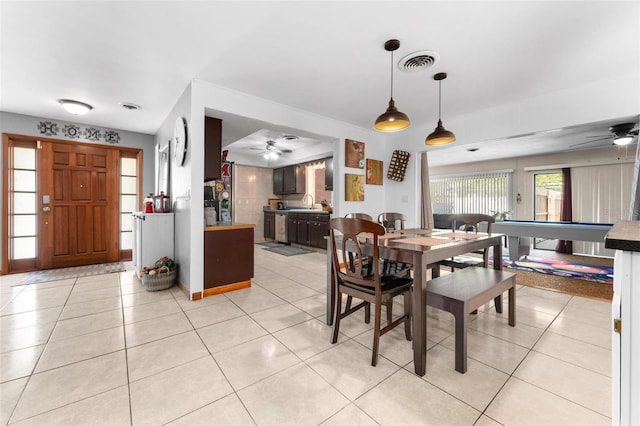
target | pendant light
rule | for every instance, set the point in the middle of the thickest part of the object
(440, 135)
(392, 120)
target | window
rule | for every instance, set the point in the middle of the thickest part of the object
(128, 199)
(23, 217)
(486, 193)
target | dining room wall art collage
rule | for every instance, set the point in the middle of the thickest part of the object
(374, 169)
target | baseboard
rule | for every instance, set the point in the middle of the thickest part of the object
(226, 288)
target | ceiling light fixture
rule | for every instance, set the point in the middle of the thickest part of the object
(392, 120)
(440, 135)
(75, 107)
(623, 140)
(270, 155)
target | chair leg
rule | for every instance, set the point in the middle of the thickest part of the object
(407, 313)
(376, 334)
(389, 306)
(337, 313)
(367, 313)
(349, 298)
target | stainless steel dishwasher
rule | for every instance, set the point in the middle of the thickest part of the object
(281, 227)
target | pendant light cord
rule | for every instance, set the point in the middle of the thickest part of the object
(440, 100)
(392, 74)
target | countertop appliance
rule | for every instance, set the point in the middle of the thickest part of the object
(281, 228)
(152, 238)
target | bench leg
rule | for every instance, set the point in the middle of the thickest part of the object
(512, 306)
(459, 313)
(498, 304)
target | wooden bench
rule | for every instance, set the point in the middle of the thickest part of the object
(463, 292)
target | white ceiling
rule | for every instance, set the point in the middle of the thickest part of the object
(323, 57)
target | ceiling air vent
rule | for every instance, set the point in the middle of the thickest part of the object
(418, 61)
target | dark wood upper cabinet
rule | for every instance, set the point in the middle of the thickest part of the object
(212, 148)
(289, 180)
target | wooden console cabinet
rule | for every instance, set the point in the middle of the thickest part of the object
(228, 257)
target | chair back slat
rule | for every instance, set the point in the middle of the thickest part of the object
(349, 266)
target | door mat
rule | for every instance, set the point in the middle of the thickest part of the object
(286, 250)
(270, 244)
(66, 273)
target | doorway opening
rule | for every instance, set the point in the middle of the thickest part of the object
(547, 202)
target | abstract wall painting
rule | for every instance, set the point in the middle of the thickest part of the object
(374, 172)
(354, 187)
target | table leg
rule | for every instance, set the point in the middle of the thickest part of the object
(419, 317)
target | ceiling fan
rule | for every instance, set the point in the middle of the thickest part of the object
(621, 134)
(271, 152)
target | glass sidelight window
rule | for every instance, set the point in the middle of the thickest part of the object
(128, 199)
(23, 218)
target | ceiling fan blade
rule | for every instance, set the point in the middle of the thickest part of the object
(588, 142)
(284, 151)
(258, 149)
(599, 136)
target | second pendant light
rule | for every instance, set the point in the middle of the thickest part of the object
(440, 135)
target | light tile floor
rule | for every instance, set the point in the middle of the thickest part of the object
(102, 350)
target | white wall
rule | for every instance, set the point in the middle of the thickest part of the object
(186, 241)
(28, 125)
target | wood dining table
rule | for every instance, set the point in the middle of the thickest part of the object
(423, 249)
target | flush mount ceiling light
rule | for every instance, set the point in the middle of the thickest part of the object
(392, 120)
(440, 135)
(75, 107)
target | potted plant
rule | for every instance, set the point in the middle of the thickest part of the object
(500, 215)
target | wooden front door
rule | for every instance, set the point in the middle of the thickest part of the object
(78, 201)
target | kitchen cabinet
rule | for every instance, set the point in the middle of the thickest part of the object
(318, 229)
(289, 180)
(278, 181)
(212, 148)
(292, 227)
(328, 174)
(269, 225)
(308, 228)
(303, 229)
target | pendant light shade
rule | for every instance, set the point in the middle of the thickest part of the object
(392, 120)
(440, 135)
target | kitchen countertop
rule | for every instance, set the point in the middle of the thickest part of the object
(225, 226)
(295, 210)
(624, 236)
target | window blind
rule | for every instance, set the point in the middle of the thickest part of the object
(486, 193)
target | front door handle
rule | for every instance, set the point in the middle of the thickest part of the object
(46, 209)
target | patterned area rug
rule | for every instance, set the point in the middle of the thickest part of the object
(66, 273)
(564, 268)
(286, 250)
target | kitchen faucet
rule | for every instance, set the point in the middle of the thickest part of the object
(305, 198)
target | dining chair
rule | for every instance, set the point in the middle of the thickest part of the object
(364, 216)
(469, 223)
(351, 278)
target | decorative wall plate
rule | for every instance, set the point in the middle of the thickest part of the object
(398, 165)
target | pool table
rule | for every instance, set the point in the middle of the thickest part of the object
(520, 232)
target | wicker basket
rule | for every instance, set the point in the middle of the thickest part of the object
(159, 281)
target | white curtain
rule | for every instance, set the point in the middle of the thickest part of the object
(427, 212)
(634, 206)
(600, 194)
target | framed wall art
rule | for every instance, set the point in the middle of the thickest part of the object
(353, 187)
(374, 172)
(353, 154)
